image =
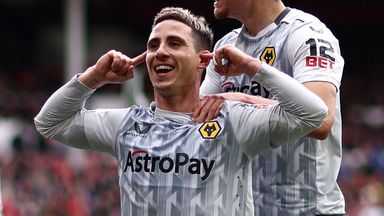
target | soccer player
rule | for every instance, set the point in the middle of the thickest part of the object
(167, 163)
(298, 178)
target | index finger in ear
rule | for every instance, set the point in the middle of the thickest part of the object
(139, 59)
(208, 55)
(219, 56)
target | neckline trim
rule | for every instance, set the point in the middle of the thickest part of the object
(282, 15)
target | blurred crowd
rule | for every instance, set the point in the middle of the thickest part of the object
(45, 181)
(362, 173)
(38, 177)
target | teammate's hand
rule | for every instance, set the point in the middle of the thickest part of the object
(230, 61)
(112, 67)
(208, 108)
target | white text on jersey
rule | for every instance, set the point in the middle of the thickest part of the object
(165, 164)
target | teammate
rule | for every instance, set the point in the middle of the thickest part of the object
(168, 164)
(299, 178)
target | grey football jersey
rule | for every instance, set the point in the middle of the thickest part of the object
(299, 178)
(168, 165)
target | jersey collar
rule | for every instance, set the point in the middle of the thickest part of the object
(268, 29)
(179, 117)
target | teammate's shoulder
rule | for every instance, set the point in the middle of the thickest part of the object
(305, 25)
(229, 38)
(299, 16)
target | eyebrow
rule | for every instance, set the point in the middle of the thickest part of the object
(171, 37)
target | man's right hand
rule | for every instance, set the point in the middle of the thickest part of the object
(112, 67)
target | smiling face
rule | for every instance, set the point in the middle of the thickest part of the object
(173, 62)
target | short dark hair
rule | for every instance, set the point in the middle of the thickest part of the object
(198, 24)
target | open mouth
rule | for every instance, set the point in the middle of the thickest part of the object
(163, 68)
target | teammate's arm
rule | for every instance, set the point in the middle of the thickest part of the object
(315, 56)
(327, 92)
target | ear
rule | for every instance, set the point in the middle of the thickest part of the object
(205, 58)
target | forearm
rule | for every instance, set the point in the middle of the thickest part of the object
(327, 91)
(292, 96)
(64, 104)
(322, 132)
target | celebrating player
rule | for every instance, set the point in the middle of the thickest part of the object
(299, 178)
(168, 164)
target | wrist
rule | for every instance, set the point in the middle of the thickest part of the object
(89, 80)
(254, 66)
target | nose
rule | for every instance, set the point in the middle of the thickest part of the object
(161, 52)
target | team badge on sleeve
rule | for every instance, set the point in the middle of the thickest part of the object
(209, 130)
(269, 55)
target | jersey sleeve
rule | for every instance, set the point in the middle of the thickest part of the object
(211, 82)
(250, 126)
(314, 53)
(101, 128)
(298, 113)
(259, 127)
(63, 118)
